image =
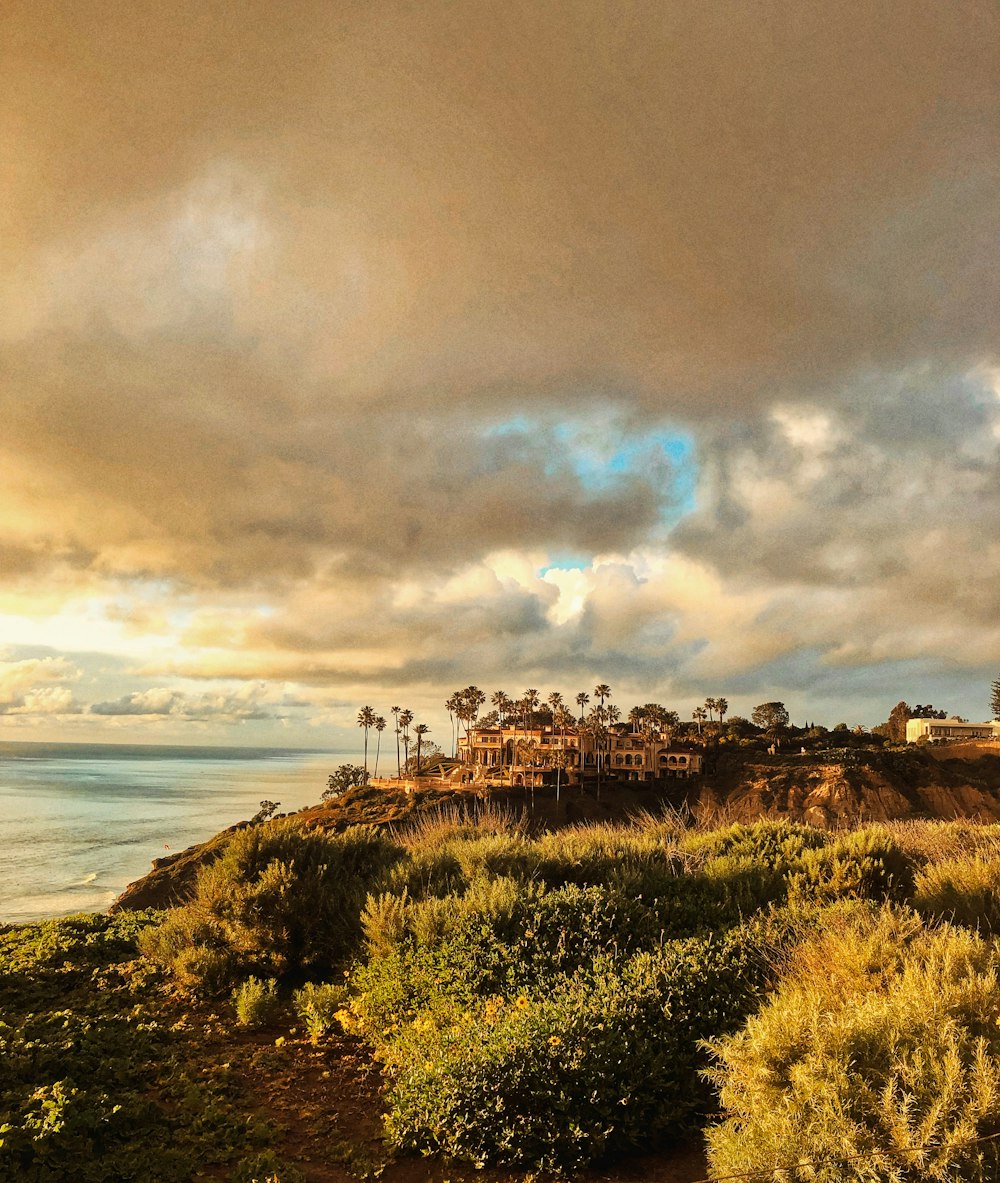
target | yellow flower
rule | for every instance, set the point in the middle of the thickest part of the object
(554, 1040)
(522, 1002)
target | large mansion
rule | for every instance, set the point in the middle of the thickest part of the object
(949, 730)
(537, 751)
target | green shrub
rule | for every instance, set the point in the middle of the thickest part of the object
(929, 840)
(861, 864)
(632, 858)
(281, 901)
(876, 1060)
(494, 940)
(775, 844)
(266, 1167)
(965, 890)
(425, 874)
(256, 1003)
(317, 1007)
(605, 1063)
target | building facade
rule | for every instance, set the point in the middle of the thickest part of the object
(537, 751)
(949, 730)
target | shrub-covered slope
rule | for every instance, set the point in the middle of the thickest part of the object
(819, 1004)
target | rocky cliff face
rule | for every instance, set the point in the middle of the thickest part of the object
(849, 787)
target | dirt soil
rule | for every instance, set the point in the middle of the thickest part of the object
(325, 1107)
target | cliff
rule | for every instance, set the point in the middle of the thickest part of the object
(854, 786)
(833, 788)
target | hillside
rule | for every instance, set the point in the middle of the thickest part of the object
(828, 789)
(852, 786)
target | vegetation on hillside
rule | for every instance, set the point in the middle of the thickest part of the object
(821, 1004)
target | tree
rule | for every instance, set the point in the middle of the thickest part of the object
(405, 719)
(379, 726)
(894, 728)
(596, 727)
(656, 719)
(452, 706)
(344, 778)
(470, 700)
(581, 701)
(722, 705)
(396, 711)
(710, 707)
(771, 718)
(602, 691)
(562, 718)
(429, 752)
(420, 731)
(366, 719)
(503, 704)
(699, 715)
(529, 704)
(995, 699)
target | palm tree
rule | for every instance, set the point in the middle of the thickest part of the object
(470, 699)
(561, 718)
(581, 701)
(721, 705)
(710, 707)
(379, 726)
(405, 719)
(395, 711)
(420, 731)
(602, 692)
(530, 702)
(598, 731)
(635, 717)
(366, 719)
(698, 714)
(453, 705)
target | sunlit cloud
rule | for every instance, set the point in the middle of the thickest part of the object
(536, 347)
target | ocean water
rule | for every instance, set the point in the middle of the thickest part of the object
(79, 822)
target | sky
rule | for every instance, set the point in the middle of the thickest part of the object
(353, 353)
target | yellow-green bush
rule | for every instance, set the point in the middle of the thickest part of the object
(317, 1005)
(280, 901)
(965, 890)
(876, 1060)
(774, 844)
(605, 1063)
(500, 938)
(256, 1003)
(860, 864)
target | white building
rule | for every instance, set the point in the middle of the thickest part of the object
(949, 730)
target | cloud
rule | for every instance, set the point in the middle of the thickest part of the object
(252, 702)
(37, 686)
(328, 329)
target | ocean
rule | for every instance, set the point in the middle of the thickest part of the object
(79, 822)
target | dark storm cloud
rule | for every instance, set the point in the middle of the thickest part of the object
(295, 299)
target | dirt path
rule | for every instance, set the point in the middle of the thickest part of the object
(326, 1106)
